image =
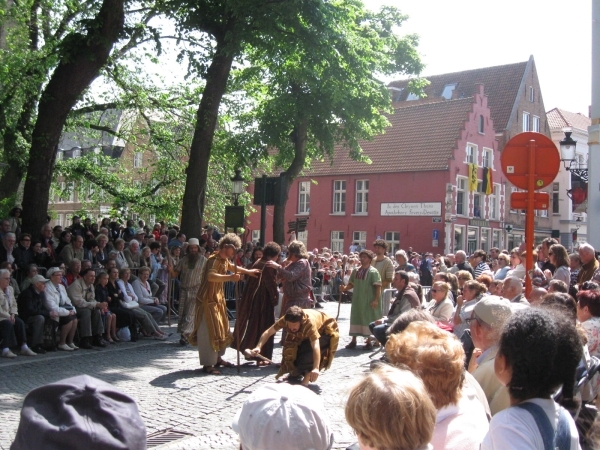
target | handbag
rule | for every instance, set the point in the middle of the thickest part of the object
(129, 305)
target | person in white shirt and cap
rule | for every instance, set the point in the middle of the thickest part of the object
(283, 416)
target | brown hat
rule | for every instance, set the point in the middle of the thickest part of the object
(79, 412)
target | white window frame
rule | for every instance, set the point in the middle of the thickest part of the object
(471, 157)
(337, 241)
(556, 199)
(76, 154)
(469, 251)
(463, 233)
(448, 91)
(360, 237)
(481, 124)
(255, 235)
(497, 238)
(487, 232)
(461, 188)
(304, 197)
(535, 124)
(487, 159)
(339, 197)
(525, 123)
(494, 203)
(59, 220)
(392, 239)
(531, 94)
(481, 200)
(361, 197)
(138, 158)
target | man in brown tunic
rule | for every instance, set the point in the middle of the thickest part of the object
(256, 309)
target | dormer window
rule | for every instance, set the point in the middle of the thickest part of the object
(396, 93)
(448, 90)
(76, 152)
(412, 96)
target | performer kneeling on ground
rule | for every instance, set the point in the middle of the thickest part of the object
(310, 343)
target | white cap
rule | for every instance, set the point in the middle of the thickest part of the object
(283, 416)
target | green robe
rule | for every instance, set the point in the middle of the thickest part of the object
(362, 314)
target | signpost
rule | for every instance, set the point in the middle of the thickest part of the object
(530, 161)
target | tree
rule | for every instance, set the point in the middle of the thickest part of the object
(311, 99)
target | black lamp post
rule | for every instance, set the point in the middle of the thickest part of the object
(568, 156)
(237, 186)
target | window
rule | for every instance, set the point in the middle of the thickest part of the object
(396, 93)
(478, 201)
(459, 238)
(362, 196)
(461, 196)
(59, 220)
(361, 238)
(543, 213)
(481, 124)
(412, 96)
(471, 154)
(485, 239)
(472, 239)
(535, 126)
(392, 238)
(304, 197)
(137, 160)
(496, 237)
(488, 158)
(71, 192)
(513, 189)
(337, 241)
(339, 196)
(525, 121)
(76, 153)
(59, 155)
(448, 89)
(531, 94)
(555, 198)
(255, 235)
(493, 203)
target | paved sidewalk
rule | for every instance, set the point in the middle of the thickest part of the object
(171, 392)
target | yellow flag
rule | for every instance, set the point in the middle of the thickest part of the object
(472, 177)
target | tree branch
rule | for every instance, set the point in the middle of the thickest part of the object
(94, 108)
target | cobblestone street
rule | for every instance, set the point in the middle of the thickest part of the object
(171, 392)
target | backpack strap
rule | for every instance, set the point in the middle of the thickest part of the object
(559, 439)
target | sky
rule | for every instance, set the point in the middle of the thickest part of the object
(468, 34)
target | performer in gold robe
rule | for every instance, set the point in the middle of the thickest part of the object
(209, 329)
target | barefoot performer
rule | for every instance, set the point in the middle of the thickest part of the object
(310, 344)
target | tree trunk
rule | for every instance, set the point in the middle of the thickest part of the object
(84, 56)
(194, 197)
(299, 137)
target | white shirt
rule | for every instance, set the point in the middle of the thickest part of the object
(516, 428)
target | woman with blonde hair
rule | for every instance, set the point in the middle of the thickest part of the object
(389, 409)
(440, 307)
(437, 357)
(472, 292)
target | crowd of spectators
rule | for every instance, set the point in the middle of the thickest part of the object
(87, 285)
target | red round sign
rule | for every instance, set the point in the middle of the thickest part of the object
(515, 160)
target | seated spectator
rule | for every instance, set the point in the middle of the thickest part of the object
(48, 246)
(517, 269)
(463, 276)
(441, 306)
(57, 300)
(479, 263)
(12, 328)
(486, 322)
(14, 220)
(390, 409)
(575, 266)
(109, 319)
(558, 286)
(119, 255)
(80, 412)
(496, 288)
(559, 258)
(437, 357)
(588, 314)
(132, 254)
(74, 271)
(32, 310)
(145, 258)
(513, 290)
(503, 267)
(23, 253)
(538, 353)
(145, 319)
(90, 251)
(266, 417)
(536, 295)
(589, 264)
(32, 271)
(472, 293)
(406, 299)
(156, 261)
(13, 283)
(147, 301)
(89, 311)
(103, 249)
(65, 239)
(7, 248)
(71, 251)
(110, 293)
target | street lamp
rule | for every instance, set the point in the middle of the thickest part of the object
(568, 156)
(237, 186)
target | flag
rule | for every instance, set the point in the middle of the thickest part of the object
(488, 185)
(472, 177)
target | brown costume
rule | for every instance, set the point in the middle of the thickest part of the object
(314, 325)
(256, 310)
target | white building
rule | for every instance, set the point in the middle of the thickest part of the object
(569, 219)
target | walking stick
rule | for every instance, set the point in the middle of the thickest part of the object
(237, 310)
(340, 294)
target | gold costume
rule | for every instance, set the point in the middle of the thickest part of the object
(210, 305)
